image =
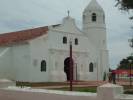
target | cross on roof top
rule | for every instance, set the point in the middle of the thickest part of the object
(68, 13)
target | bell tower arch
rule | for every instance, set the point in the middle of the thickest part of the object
(94, 24)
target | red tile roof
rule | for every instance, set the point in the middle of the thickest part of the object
(21, 36)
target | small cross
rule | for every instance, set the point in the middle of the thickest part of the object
(68, 13)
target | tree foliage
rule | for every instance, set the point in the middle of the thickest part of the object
(124, 63)
(125, 5)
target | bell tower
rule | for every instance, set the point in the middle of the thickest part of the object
(94, 24)
(94, 28)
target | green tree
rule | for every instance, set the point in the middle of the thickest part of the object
(125, 5)
(124, 63)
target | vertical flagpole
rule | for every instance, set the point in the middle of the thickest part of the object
(130, 65)
(130, 61)
(71, 67)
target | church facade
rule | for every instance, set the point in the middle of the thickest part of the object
(43, 54)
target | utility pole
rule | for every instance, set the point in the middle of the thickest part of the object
(130, 61)
(130, 65)
(71, 67)
(131, 42)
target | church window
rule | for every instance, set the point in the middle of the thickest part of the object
(91, 67)
(94, 17)
(64, 40)
(43, 66)
(76, 41)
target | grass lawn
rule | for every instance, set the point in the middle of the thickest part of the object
(128, 89)
(93, 89)
(79, 89)
(41, 84)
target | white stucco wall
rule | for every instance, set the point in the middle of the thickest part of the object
(6, 64)
(96, 33)
(15, 62)
(21, 62)
(83, 54)
(39, 51)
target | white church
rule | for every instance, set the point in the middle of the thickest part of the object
(42, 54)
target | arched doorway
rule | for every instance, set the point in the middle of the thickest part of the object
(67, 67)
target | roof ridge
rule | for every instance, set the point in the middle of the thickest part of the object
(21, 36)
(24, 30)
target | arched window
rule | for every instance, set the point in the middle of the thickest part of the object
(43, 66)
(64, 40)
(94, 17)
(91, 67)
(76, 41)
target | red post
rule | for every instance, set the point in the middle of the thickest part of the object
(71, 68)
(118, 77)
(130, 75)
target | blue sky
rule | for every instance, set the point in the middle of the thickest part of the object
(23, 14)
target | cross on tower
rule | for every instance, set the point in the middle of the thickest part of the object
(68, 13)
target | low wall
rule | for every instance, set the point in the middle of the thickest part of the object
(105, 92)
